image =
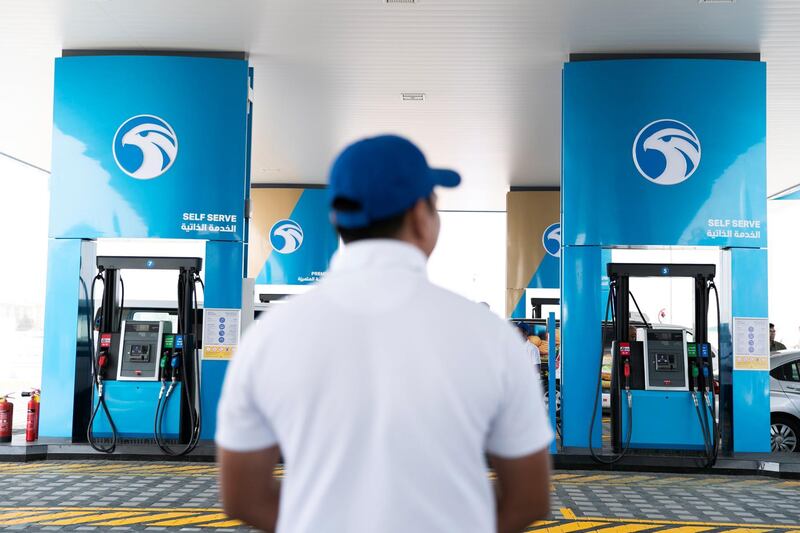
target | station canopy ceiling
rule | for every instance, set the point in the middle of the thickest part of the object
(328, 72)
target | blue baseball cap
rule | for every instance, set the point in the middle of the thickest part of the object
(381, 177)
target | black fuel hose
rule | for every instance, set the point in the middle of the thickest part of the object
(629, 432)
(191, 398)
(711, 403)
(97, 379)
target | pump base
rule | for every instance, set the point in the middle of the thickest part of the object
(773, 464)
(61, 449)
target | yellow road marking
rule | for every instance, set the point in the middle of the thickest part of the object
(747, 530)
(688, 529)
(630, 528)
(200, 469)
(225, 523)
(566, 512)
(711, 525)
(593, 478)
(191, 520)
(146, 518)
(39, 517)
(560, 477)
(109, 509)
(628, 480)
(574, 526)
(93, 518)
(18, 513)
(755, 482)
(19, 467)
(671, 479)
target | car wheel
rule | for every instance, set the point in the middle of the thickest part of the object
(558, 401)
(784, 433)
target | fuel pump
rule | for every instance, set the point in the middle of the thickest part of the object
(132, 356)
(662, 395)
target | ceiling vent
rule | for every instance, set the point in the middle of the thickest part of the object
(413, 97)
(400, 1)
(716, 1)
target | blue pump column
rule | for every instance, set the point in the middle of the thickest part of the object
(582, 310)
(225, 262)
(745, 392)
(66, 379)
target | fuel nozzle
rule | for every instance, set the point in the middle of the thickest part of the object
(175, 364)
(625, 354)
(102, 364)
(695, 374)
(102, 358)
(163, 365)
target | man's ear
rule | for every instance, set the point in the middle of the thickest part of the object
(417, 218)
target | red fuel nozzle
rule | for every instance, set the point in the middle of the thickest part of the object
(627, 369)
(102, 361)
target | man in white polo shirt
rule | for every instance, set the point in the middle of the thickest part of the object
(383, 393)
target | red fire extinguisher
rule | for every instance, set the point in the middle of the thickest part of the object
(6, 418)
(32, 423)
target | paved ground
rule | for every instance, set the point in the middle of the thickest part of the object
(124, 496)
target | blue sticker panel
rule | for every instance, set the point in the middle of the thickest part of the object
(664, 152)
(303, 244)
(149, 147)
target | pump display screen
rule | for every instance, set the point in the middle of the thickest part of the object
(142, 328)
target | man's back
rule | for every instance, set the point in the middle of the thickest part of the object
(384, 392)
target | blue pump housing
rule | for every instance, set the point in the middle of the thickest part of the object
(675, 427)
(133, 408)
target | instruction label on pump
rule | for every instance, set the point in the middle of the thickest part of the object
(221, 329)
(750, 343)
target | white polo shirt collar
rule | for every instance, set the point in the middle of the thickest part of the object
(379, 254)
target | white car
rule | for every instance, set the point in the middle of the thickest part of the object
(784, 395)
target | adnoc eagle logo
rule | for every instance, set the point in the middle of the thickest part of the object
(286, 236)
(666, 152)
(145, 146)
(551, 239)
